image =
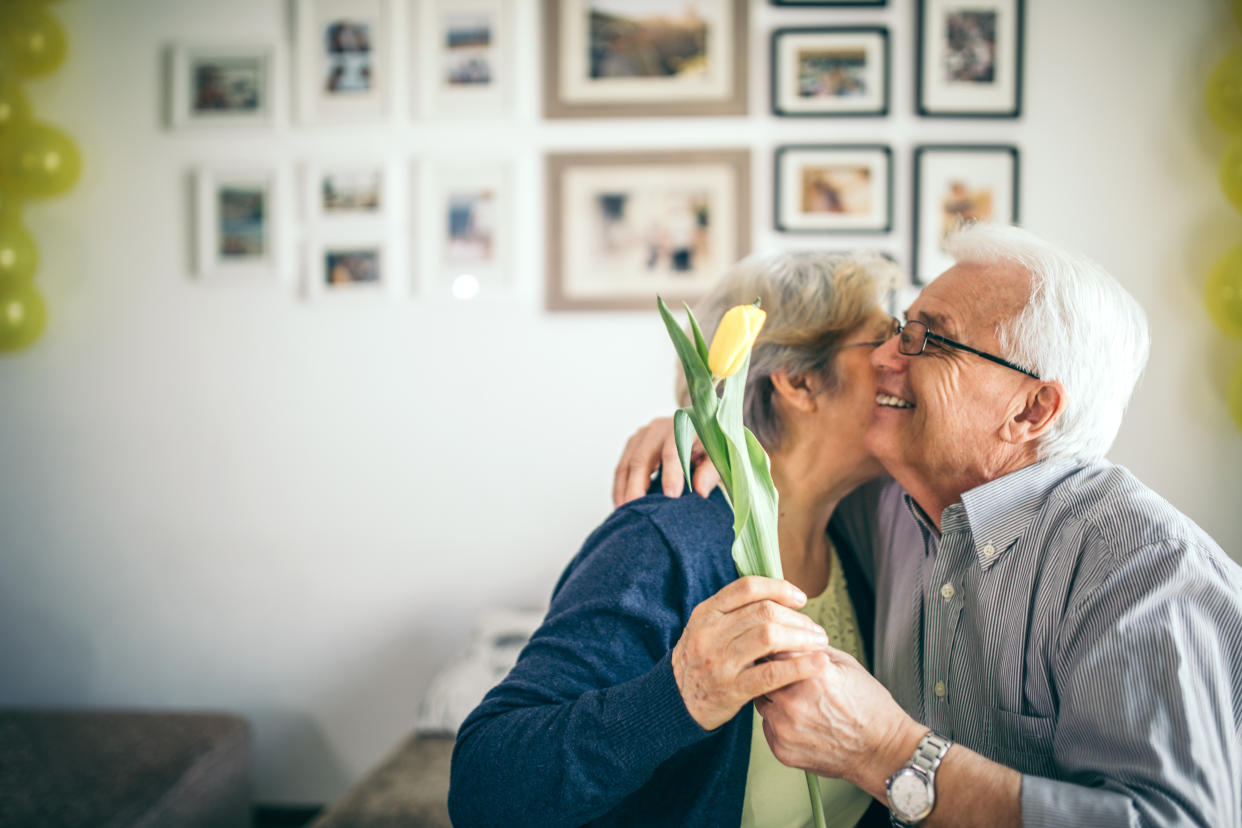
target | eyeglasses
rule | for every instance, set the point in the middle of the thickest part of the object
(912, 340)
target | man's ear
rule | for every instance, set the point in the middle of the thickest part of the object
(1039, 409)
(797, 392)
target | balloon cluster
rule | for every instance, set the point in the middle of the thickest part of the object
(1223, 291)
(37, 160)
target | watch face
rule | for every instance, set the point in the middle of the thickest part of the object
(907, 794)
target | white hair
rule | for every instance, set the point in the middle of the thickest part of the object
(1079, 327)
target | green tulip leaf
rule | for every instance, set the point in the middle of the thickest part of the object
(699, 342)
(683, 433)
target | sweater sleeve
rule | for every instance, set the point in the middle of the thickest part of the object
(591, 708)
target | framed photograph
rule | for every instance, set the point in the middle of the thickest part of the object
(970, 58)
(345, 192)
(831, 71)
(954, 185)
(355, 266)
(834, 188)
(620, 58)
(467, 62)
(624, 227)
(235, 223)
(344, 60)
(469, 208)
(228, 84)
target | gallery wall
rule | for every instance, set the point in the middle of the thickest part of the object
(223, 495)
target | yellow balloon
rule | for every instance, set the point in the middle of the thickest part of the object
(35, 39)
(39, 160)
(1223, 293)
(1224, 92)
(1237, 11)
(23, 317)
(1231, 174)
(14, 108)
(19, 258)
(10, 202)
(1234, 397)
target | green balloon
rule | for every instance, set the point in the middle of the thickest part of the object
(1234, 396)
(23, 317)
(1223, 293)
(10, 202)
(38, 161)
(14, 108)
(1231, 174)
(19, 258)
(1224, 92)
(35, 39)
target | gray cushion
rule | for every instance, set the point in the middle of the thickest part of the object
(408, 788)
(106, 769)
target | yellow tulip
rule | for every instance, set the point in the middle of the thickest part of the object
(735, 335)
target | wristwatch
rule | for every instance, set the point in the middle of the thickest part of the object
(912, 789)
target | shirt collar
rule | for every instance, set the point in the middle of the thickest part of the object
(1000, 510)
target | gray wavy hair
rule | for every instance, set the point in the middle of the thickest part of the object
(813, 300)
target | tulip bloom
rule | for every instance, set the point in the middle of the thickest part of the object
(735, 335)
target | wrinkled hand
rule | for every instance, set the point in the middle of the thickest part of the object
(650, 448)
(840, 723)
(717, 660)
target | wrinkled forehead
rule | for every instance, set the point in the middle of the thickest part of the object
(970, 299)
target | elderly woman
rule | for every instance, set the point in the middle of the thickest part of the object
(631, 705)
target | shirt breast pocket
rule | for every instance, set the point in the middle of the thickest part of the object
(1023, 743)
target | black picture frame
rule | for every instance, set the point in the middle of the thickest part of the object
(874, 80)
(938, 169)
(790, 171)
(980, 87)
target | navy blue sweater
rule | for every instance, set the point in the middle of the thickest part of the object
(589, 726)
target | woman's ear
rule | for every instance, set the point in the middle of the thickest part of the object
(796, 392)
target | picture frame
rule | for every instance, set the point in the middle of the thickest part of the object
(346, 192)
(223, 84)
(830, 71)
(344, 60)
(955, 184)
(626, 226)
(833, 188)
(466, 60)
(970, 60)
(592, 67)
(828, 3)
(237, 234)
(469, 228)
(348, 267)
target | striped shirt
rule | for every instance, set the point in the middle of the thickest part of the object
(1069, 623)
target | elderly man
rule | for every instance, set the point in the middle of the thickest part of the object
(1062, 646)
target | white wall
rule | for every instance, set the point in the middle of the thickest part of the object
(230, 498)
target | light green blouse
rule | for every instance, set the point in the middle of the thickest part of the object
(776, 795)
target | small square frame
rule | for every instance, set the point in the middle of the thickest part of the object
(211, 237)
(838, 200)
(603, 255)
(189, 105)
(346, 43)
(970, 59)
(800, 91)
(571, 91)
(954, 184)
(468, 73)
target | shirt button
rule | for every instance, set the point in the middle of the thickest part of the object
(940, 689)
(947, 591)
(989, 550)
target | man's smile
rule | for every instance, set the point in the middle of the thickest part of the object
(891, 401)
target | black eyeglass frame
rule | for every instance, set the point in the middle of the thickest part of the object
(899, 326)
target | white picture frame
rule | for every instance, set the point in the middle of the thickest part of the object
(466, 61)
(834, 188)
(349, 267)
(468, 228)
(221, 84)
(346, 193)
(344, 60)
(237, 214)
